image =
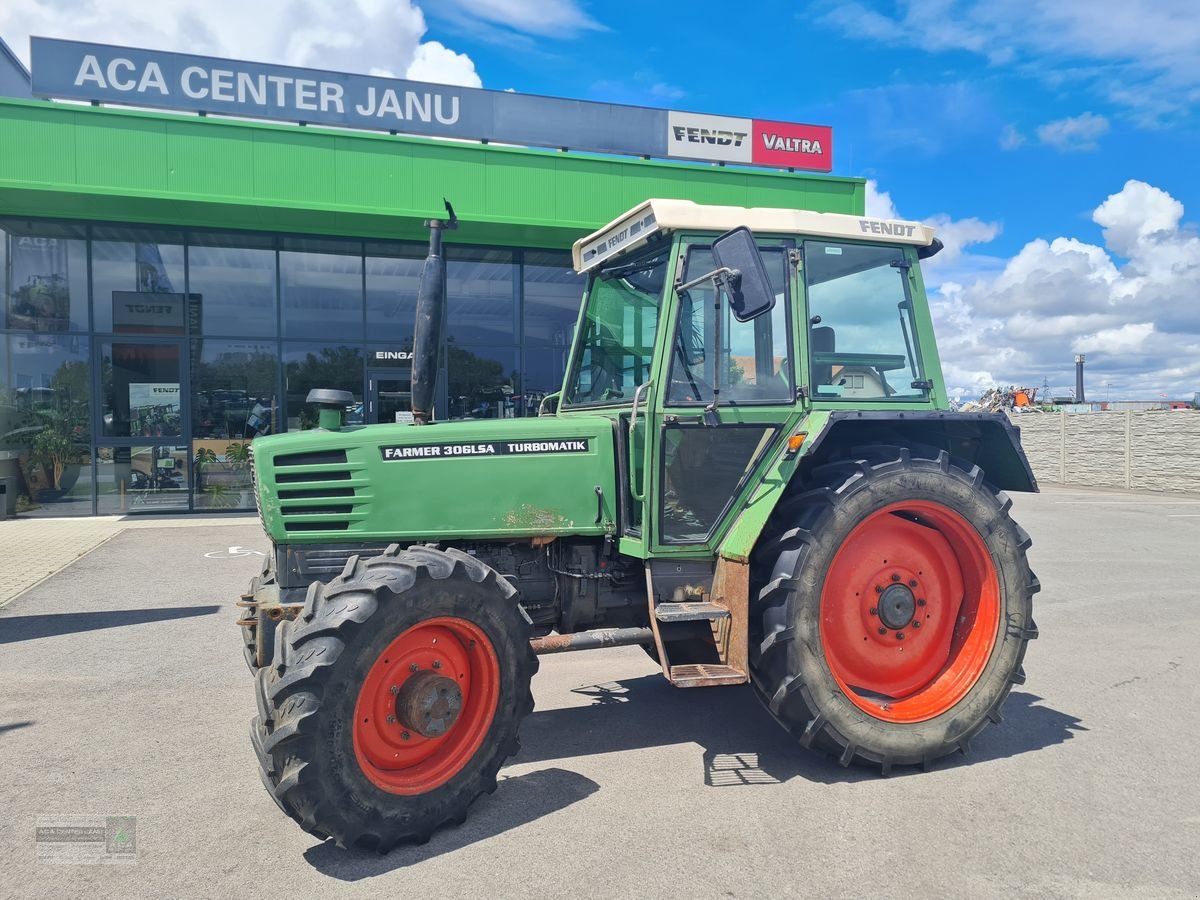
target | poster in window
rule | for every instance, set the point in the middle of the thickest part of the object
(154, 409)
(39, 296)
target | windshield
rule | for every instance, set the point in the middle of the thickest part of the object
(862, 337)
(619, 327)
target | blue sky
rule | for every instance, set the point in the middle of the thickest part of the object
(1055, 146)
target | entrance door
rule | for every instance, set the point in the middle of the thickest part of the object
(389, 396)
(142, 458)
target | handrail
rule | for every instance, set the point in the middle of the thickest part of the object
(634, 492)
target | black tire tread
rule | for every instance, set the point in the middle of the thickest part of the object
(289, 691)
(779, 565)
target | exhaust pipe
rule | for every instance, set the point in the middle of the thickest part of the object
(431, 312)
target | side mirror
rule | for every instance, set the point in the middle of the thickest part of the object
(750, 293)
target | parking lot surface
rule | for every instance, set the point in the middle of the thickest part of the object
(123, 693)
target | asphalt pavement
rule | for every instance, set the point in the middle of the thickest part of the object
(123, 693)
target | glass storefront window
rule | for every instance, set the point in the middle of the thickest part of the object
(142, 479)
(321, 288)
(308, 366)
(543, 375)
(138, 281)
(231, 285)
(43, 268)
(482, 382)
(481, 295)
(552, 292)
(233, 386)
(393, 275)
(45, 430)
(140, 390)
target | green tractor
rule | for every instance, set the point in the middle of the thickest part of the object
(751, 471)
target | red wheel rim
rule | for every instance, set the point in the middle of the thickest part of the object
(393, 754)
(917, 556)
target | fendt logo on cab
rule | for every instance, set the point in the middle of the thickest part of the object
(896, 229)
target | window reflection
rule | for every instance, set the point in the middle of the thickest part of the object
(321, 288)
(45, 462)
(233, 389)
(393, 276)
(482, 382)
(231, 281)
(309, 366)
(44, 272)
(480, 296)
(543, 375)
(138, 281)
(552, 292)
(142, 479)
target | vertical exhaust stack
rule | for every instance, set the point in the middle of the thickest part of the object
(431, 312)
(1079, 378)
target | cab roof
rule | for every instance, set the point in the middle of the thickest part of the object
(635, 228)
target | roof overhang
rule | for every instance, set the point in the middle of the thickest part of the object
(658, 217)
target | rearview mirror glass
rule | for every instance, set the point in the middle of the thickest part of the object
(750, 293)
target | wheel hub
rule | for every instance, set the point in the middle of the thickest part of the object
(429, 704)
(897, 605)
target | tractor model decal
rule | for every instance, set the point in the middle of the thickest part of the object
(484, 448)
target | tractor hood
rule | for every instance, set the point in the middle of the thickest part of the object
(508, 478)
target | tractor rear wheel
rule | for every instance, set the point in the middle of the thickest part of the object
(895, 605)
(394, 698)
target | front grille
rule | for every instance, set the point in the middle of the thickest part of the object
(301, 492)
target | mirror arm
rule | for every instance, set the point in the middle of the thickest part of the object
(712, 418)
(716, 275)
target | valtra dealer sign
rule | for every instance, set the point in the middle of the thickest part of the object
(75, 70)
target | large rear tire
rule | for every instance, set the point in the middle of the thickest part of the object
(895, 604)
(395, 697)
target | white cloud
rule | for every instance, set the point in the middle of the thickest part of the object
(1129, 51)
(1011, 138)
(434, 62)
(1130, 305)
(549, 18)
(879, 203)
(1074, 133)
(340, 35)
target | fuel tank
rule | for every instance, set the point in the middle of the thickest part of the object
(492, 478)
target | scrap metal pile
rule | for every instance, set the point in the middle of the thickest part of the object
(1000, 399)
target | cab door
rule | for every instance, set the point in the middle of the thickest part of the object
(700, 469)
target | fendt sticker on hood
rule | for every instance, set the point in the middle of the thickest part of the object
(485, 448)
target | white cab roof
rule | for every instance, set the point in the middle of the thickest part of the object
(634, 228)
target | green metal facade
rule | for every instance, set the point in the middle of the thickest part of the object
(78, 162)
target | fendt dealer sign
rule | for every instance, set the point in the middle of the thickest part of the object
(74, 70)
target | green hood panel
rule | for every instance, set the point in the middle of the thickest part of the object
(489, 478)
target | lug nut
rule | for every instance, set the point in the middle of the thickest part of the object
(391, 720)
(912, 582)
(899, 635)
(874, 611)
(395, 688)
(921, 602)
(413, 667)
(404, 735)
(437, 663)
(916, 624)
(879, 589)
(895, 577)
(882, 630)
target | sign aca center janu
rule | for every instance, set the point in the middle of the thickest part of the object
(74, 70)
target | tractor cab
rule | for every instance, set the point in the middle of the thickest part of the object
(713, 332)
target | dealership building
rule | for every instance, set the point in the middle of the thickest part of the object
(188, 245)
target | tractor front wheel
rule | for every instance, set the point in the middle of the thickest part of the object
(395, 697)
(896, 604)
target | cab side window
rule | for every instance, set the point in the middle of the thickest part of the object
(755, 357)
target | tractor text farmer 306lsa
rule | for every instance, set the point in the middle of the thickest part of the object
(750, 470)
